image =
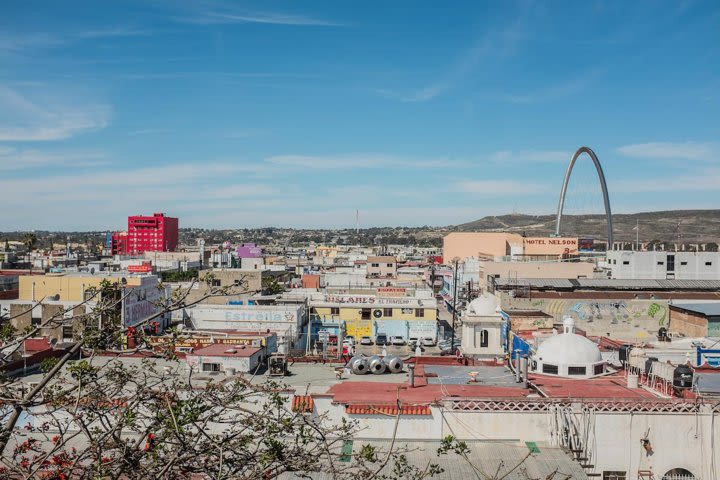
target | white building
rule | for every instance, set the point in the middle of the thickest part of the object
(568, 355)
(482, 328)
(226, 358)
(625, 264)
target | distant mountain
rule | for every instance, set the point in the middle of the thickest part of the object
(689, 226)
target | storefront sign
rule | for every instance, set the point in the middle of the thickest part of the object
(391, 292)
(144, 268)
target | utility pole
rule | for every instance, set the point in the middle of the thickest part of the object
(454, 312)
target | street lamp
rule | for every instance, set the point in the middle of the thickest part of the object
(454, 303)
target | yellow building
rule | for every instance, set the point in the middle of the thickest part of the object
(67, 287)
(368, 315)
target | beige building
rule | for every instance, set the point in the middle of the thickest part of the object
(534, 270)
(383, 266)
(239, 281)
(500, 244)
(66, 287)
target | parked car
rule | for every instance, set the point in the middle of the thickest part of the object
(350, 338)
(381, 339)
(412, 341)
(366, 340)
(428, 342)
(397, 340)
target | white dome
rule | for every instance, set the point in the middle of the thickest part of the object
(568, 349)
(485, 305)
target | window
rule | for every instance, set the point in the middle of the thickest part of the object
(419, 312)
(576, 370)
(661, 263)
(375, 265)
(389, 264)
(552, 369)
(215, 282)
(708, 264)
(365, 314)
(626, 262)
(613, 475)
(599, 369)
(387, 312)
(683, 263)
(484, 338)
(35, 321)
(334, 310)
(211, 367)
(67, 331)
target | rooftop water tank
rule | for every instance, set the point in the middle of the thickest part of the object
(359, 365)
(683, 377)
(377, 366)
(394, 364)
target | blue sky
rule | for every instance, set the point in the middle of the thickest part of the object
(244, 114)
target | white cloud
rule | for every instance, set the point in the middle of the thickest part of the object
(672, 151)
(113, 32)
(500, 187)
(23, 119)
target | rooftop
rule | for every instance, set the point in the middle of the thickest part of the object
(604, 284)
(225, 350)
(708, 309)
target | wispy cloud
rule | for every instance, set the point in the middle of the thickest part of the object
(147, 131)
(20, 42)
(114, 32)
(212, 17)
(672, 151)
(495, 44)
(360, 160)
(704, 181)
(562, 89)
(22, 119)
(500, 187)
(529, 156)
(14, 159)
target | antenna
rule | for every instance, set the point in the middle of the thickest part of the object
(357, 222)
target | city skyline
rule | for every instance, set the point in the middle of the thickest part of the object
(300, 114)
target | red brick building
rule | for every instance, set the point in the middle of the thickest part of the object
(156, 233)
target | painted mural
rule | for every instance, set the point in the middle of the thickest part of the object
(638, 317)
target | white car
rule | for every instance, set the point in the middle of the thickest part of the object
(349, 340)
(366, 341)
(397, 340)
(428, 342)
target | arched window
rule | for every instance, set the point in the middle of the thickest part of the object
(484, 338)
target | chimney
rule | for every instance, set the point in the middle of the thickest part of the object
(525, 371)
(411, 379)
(517, 366)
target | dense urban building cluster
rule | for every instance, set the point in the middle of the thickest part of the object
(603, 363)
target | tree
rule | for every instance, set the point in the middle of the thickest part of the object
(30, 240)
(101, 417)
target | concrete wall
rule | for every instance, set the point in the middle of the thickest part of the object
(623, 319)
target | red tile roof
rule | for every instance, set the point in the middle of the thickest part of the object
(612, 386)
(302, 403)
(225, 350)
(377, 393)
(387, 410)
(37, 344)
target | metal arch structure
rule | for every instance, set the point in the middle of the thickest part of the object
(603, 186)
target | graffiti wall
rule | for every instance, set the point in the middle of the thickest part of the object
(631, 319)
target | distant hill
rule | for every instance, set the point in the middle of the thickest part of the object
(692, 226)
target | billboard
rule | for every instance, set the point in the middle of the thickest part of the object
(586, 244)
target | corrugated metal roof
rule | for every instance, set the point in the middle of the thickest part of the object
(607, 283)
(709, 309)
(490, 457)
